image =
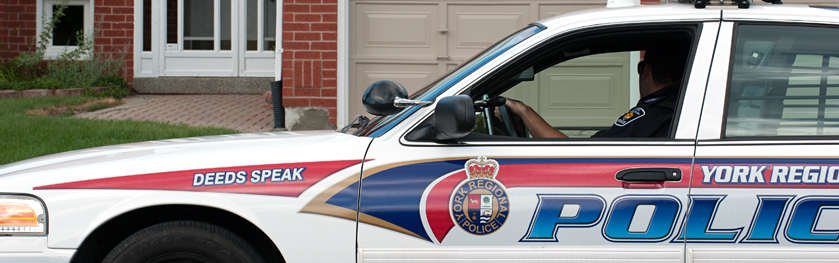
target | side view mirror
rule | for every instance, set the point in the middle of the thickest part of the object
(454, 118)
(386, 97)
(379, 96)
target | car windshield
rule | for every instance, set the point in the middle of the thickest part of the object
(382, 124)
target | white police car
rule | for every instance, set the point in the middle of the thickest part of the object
(748, 168)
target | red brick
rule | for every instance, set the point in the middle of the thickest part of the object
(307, 36)
(114, 3)
(307, 17)
(308, 1)
(288, 35)
(330, 74)
(324, 46)
(329, 55)
(295, 102)
(113, 33)
(26, 16)
(333, 112)
(317, 69)
(330, 27)
(329, 36)
(288, 82)
(323, 102)
(295, 27)
(288, 55)
(292, 45)
(330, 83)
(287, 92)
(287, 64)
(113, 18)
(330, 1)
(329, 92)
(330, 64)
(307, 74)
(123, 25)
(102, 10)
(307, 92)
(329, 17)
(293, 8)
(288, 17)
(123, 10)
(129, 3)
(324, 8)
(306, 55)
(298, 73)
(99, 2)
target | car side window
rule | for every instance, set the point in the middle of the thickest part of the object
(784, 81)
(592, 86)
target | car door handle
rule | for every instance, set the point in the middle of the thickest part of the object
(649, 174)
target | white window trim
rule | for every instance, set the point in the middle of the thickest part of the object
(44, 8)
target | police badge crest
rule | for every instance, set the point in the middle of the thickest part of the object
(479, 204)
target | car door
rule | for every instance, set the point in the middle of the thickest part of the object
(766, 171)
(494, 197)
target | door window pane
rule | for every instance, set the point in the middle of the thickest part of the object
(68, 26)
(225, 25)
(270, 18)
(252, 24)
(198, 24)
(783, 82)
(172, 21)
(146, 25)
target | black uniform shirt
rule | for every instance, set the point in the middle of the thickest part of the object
(651, 117)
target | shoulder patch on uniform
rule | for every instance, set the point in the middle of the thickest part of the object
(653, 99)
(633, 114)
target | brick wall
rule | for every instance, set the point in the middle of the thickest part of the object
(116, 21)
(310, 57)
(17, 26)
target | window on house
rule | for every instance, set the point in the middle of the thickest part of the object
(784, 82)
(77, 19)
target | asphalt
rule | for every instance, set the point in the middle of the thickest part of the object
(245, 113)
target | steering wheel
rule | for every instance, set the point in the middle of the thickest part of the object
(507, 118)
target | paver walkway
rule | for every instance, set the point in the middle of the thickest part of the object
(245, 113)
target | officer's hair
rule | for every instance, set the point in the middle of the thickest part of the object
(667, 62)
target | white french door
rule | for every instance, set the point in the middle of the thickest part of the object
(206, 38)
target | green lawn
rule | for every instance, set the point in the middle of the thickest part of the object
(23, 136)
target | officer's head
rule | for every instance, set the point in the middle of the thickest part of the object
(666, 63)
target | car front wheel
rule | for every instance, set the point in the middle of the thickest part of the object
(183, 241)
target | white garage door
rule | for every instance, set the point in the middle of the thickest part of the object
(415, 42)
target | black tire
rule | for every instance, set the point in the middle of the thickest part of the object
(183, 241)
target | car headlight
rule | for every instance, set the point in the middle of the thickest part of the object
(22, 215)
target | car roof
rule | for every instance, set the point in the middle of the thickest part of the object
(674, 12)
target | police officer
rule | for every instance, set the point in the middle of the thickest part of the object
(659, 82)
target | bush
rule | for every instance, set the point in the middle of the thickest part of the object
(119, 87)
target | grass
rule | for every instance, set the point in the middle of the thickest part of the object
(25, 133)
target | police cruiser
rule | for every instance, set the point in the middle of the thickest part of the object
(745, 168)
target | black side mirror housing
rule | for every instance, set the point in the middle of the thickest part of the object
(454, 118)
(379, 96)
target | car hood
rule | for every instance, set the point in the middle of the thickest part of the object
(186, 154)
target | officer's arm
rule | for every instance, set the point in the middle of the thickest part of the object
(538, 127)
